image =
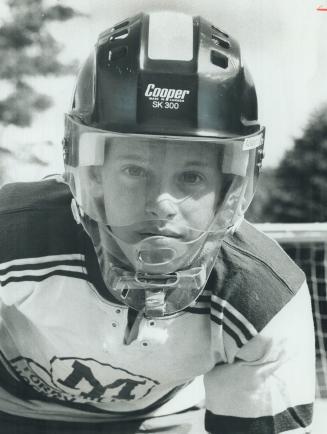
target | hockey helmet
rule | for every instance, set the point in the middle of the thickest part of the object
(162, 152)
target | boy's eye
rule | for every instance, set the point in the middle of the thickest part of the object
(191, 178)
(135, 171)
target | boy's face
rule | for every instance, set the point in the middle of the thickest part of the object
(164, 189)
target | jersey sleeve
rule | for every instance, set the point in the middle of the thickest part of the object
(267, 386)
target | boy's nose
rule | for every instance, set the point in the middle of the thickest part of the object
(162, 207)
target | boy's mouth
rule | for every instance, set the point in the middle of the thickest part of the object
(155, 230)
(160, 232)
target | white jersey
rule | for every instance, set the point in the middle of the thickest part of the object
(63, 352)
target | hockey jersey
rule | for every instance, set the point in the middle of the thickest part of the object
(63, 356)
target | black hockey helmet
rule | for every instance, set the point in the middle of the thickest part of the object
(192, 87)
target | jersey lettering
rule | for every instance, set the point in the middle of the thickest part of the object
(83, 380)
(81, 372)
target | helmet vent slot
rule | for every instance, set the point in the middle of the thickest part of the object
(121, 25)
(119, 35)
(219, 59)
(216, 30)
(117, 53)
(221, 42)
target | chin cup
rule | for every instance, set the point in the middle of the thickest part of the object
(159, 255)
(158, 295)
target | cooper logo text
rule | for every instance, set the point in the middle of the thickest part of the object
(165, 98)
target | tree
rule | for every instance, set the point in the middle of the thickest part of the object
(300, 194)
(258, 211)
(28, 49)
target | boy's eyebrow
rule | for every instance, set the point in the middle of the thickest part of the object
(196, 163)
(131, 157)
(193, 163)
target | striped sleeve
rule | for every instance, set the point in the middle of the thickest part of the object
(268, 387)
(38, 269)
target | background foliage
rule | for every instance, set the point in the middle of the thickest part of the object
(296, 191)
(28, 50)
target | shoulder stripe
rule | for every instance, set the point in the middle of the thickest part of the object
(225, 315)
(38, 269)
(45, 276)
(234, 315)
(27, 262)
(228, 330)
(18, 268)
(199, 310)
(205, 297)
(230, 318)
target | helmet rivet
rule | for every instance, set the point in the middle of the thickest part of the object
(65, 149)
(261, 153)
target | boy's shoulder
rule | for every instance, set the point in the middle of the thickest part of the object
(36, 220)
(20, 197)
(262, 252)
(254, 275)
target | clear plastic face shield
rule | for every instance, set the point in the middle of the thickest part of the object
(157, 208)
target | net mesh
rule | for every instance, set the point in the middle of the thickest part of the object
(306, 244)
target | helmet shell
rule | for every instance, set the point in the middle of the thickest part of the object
(122, 88)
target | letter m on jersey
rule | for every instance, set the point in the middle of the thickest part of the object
(87, 379)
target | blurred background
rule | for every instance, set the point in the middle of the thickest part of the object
(42, 42)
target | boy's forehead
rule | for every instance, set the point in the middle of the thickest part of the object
(185, 150)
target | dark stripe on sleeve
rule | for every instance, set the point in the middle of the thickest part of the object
(233, 319)
(42, 265)
(228, 330)
(291, 419)
(45, 276)
(199, 310)
(204, 299)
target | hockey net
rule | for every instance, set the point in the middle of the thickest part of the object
(306, 243)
